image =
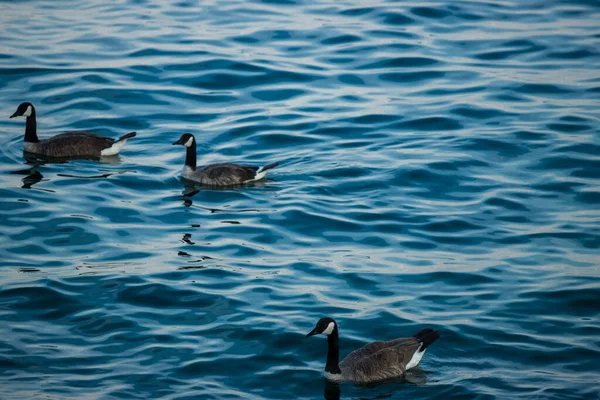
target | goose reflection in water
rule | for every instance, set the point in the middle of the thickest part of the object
(36, 160)
(32, 176)
(332, 391)
(415, 376)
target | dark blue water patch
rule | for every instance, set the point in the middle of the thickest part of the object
(393, 34)
(566, 162)
(455, 91)
(499, 147)
(507, 204)
(337, 131)
(573, 54)
(351, 79)
(341, 39)
(401, 62)
(26, 71)
(517, 47)
(28, 250)
(530, 136)
(543, 89)
(432, 183)
(480, 113)
(277, 94)
(127, 124)
(589, 149)
(428, 124)
(95, 78)
(111, 95)
(372, 119)
(40, 87)
(588, 241)
(573, 118)
(579, 302)
(505, 97)
(120, 215)
(340, 61)
(353, 12)
(161, 296)
(280, 2)
(585, 173)
(277, 138)
(592, 198)
(396, 19)
(452, 226)
(568, 128)
(216, 65)
(84, 105)
(158, 52)
(430, 12)
(72, 236)
(230, 81)
(38, 302)
(144, 73)
(558, 187)
(411, 77)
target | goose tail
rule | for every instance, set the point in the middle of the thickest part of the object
(117, 145)
(262, 171)
(426, 337)
(127, 136)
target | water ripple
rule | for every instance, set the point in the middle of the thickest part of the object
(439, 166)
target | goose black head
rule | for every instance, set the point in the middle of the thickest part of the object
(325, 326)
(24, 110)
(187, 140)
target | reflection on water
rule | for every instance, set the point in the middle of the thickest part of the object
(416, 376)
(32, 177)
(386, 389)
(38, 161)
(332, 390)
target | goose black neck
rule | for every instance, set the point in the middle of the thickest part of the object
(190, 156)
(333, 352)
(31, 128)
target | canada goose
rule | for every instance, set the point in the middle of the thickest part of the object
(222, 174)
(70, 144)
(376, 361)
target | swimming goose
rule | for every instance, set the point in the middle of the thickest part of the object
(222, 174)
(70, 144)
(376, 361)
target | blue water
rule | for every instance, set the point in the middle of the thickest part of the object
(440, 166)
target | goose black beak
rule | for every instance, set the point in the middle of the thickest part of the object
(177, 142)
(312, 333)
(15, 114)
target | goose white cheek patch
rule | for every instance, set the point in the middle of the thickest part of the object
(329, 329)
(27, 112)
(189, 142)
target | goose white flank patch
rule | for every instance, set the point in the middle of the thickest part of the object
(375, 361)
(222, 174)
(70, 144)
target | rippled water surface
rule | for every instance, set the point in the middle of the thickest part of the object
(440, 166)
